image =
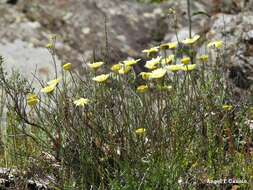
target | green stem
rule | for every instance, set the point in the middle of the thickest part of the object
(189, 17)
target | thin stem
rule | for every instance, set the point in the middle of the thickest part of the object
(189, 17)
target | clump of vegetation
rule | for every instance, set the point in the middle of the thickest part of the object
(174, 126)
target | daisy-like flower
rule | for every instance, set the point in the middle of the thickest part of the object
(101, 78)
(189, 67)
(49, 46)
(151, 51)
(116, 67)
(158, 73)
(67, 66)
(168, 60)
(131, 62)
(227, 107)
(216, 44)
(174, 68)
(82, 102)
(124, 69)
(152, 64)
(142, 89)
(145, 75)
(190, 41)
(140, 131)
(186, 60)
(96, 65)
(51, 86)
(171, 45)
(32, 99)
(203, 58)
(48, 89)
(54, 82)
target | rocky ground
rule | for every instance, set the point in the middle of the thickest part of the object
(87, 29)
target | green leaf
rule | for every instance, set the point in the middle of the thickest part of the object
(201, 13)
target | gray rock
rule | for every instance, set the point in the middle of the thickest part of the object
(236, 32)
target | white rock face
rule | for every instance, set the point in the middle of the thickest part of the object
(28, 60)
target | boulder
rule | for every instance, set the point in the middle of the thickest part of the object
(236, 31)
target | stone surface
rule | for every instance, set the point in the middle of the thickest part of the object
(236, 31)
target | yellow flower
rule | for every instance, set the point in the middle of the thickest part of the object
(174, 68)
(49, 46)
(186, 60)
(131, 62)
(48, 89)
(82, 102)
(158, 73)
(190, 41)
(116, 67)
(216, 44)
(153, 50)
(142, 89)
(32, 99)
(95, 65)
(67, 66)
(51, 86)
(152, 64)
(54, 82)
(227, 107)
(171, 45)
(140, 131)
(189, 67)
(145, 75)
(203, 58)
(124, 69)
(168, 60)
(101, 78)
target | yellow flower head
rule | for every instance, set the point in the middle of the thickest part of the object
(124, 69)
(142, 89)
(131, 62)
(32, 99)
(216, 44)
(95, 65)
(54, 82)
(49, 46)
(190, 41)
(67, 66)
(152, 64)
(151, 51)
(82, 102)
(101, 78)
(171, 45)
(203, 58)
(116, 67)
(51, 86)
(174, 68)
(186, 60)
(158, 73)
(168, 60)
(227, 107)
(48, 89)
(145, 75)
(189, 67)
(140, 131)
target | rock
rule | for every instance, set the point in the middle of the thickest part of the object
(236, 32)
(130, 27)
(22, 44)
